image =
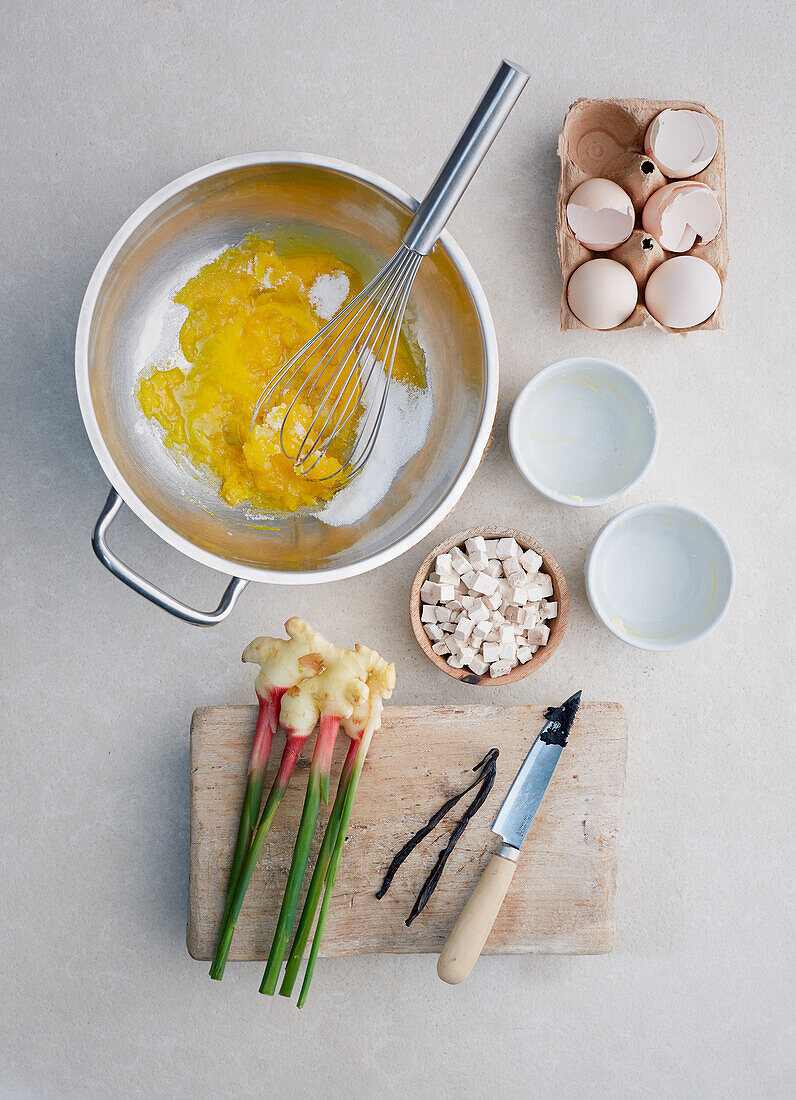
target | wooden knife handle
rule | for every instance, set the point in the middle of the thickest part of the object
(471, 930)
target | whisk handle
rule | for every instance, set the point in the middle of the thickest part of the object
(460, 167)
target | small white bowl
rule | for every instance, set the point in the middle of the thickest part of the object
(660, 576)
(583, 431)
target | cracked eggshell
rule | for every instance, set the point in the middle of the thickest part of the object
(602, 293)
(682, 142)
(600, 214)
(681, 215)
(683, 292)
(640, 254)
(636, 174)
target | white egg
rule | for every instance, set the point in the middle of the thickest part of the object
(681, 142)
(600, 214)
(683, 292)
(602, 293)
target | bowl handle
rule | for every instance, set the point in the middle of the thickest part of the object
(150, 591)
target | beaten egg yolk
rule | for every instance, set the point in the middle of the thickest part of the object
(248, 312)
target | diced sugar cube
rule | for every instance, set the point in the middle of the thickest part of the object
(460, 563)
(544, 582)
(447, 628)
(513, 615)
(455, 604)
(476, 543)
(478, 560)
(490, 545)
(535, 590)
(467, 653)
(455, 662)
(494, 601)
(453, 579)
(433, 631)
(497, 619)
(444, 563)
(464, 628)
(468, 579)
(517, 579)
(477, 664)
(529, 615)
(508, 548)
(485, 584)
(446, 593)
(480, 631)
(518, 595)
(441, 648)
(455, 644)
(506, 633)
(524, 654)
(479, 612)
(504, 587)
(493, 635)
(442, 612)
(538, 635)
(428, 613)
(531, 561)
(494, 569)
(500, 668)
(511, 564)
(508, 650)
(429, 592)
(518, 630)
(548, 609)
(434, 576)
(491, 652)
(467, 601)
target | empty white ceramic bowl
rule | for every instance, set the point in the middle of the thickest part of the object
(583, 431)
(660, 576)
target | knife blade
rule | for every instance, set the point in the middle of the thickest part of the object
(514, 818)
(530, 783)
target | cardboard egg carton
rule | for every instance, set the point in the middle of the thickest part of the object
(605, 138)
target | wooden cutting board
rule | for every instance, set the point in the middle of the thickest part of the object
(562, 897)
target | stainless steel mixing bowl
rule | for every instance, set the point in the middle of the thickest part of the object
(128, 321)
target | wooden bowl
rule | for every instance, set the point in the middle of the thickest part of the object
(557, 626)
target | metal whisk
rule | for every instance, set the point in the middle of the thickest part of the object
(343, 374)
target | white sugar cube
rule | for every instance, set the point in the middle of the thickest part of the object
(468, 579)
(477, 665)
(493, 635)
(517, 580)
(467, 602)
(430, 592)
(464, 628)
(518, 595)
(476, 543)
(490, 545)
(480, 631)
(535, 590)
(494, 601)
(511, 564)
(447, 628)
(548, 609)
(497, 619)
(529, 615)
(444, 563)
(507, 651)
(467, 653)
(479, 612)
(491, 652)
(459, 561)
(455, 645)
(478, 560)
(484, 584)
(455, 604)
(433, 631)
(543, 582)
(446, 593)
(455, 662)
(513, 615)
(538, 635)
(500, 668)
(428, 613)
(494, 568)
(524, 654)
(530, 561)
(508, 548)
(441, 648)
(506, 633)
(434, 576)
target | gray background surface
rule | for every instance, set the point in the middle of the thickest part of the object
(102, 104)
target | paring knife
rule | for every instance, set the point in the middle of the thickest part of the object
(470, 932)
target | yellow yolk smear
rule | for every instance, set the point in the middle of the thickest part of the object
(248, 312)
